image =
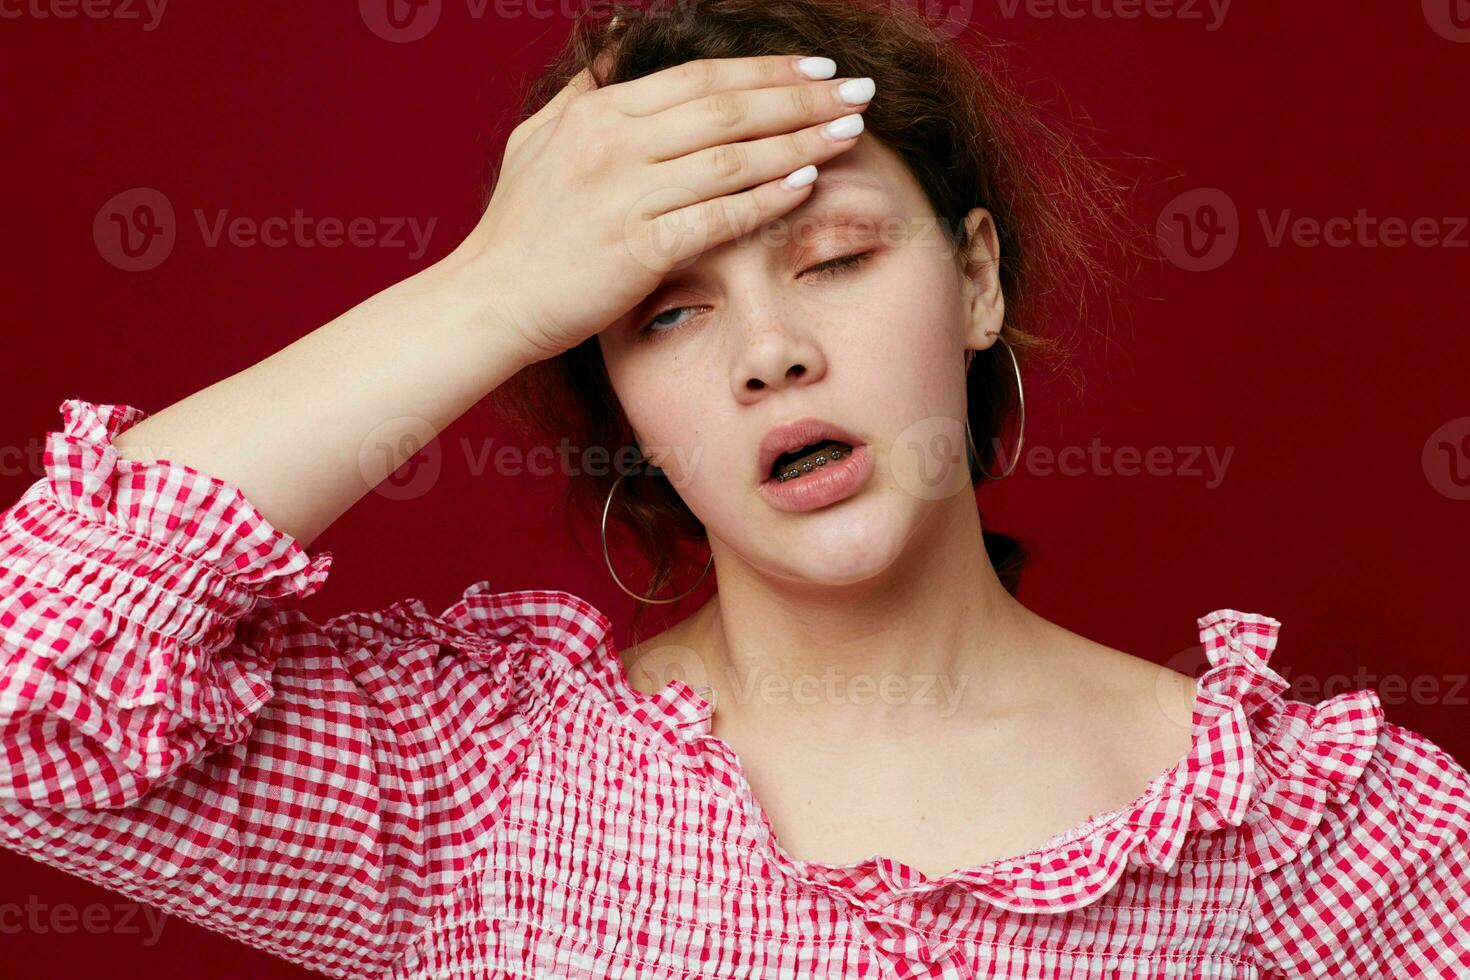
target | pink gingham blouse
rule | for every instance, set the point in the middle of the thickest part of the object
(478, 792)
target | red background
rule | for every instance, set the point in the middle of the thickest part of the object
(1326, 369)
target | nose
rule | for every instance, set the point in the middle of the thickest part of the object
(775, 356)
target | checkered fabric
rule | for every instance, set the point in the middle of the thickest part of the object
(478, 792)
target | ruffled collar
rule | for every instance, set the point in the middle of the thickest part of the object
(1224, 781)
(1259, 764)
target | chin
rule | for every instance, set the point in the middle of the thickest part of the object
(849, 543)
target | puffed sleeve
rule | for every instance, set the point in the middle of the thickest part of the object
(1382, 886)
(172, 729)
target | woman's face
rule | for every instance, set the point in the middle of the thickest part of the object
(750, 335)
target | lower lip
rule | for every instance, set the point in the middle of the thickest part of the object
(822, 486)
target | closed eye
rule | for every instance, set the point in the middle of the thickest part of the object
(823, 270)
(836, 265)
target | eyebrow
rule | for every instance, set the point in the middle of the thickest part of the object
(849, 178)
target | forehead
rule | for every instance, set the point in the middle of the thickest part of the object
(870, 169)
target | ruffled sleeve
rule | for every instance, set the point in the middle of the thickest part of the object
(1363, 854)
(172, 729)
(1357, 833)
(121, 582)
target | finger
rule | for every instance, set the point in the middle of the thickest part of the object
(732, 167)
(702, 77)
(681, 235)
(730, 116)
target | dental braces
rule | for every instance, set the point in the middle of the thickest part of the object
(820, 459)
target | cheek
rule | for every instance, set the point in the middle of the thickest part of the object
(912, 335)
(913, 375)
(681, 411)
(667, 409)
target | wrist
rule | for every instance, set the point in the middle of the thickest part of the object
(482, 303)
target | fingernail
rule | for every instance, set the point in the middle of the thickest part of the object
(856, 91)
(800, 178)
(844, 127)
(817, 67)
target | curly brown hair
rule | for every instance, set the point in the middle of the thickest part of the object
(965, 131)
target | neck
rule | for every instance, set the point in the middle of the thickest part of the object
(935, 636)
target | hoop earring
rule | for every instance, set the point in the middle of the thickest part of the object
(1021, 398)
(608, 558)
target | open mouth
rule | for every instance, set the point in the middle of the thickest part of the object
(798, 463)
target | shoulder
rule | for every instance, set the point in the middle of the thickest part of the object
(1411, 800)
(649, 664)
(537, 646)
(1354, 831)
(1419, 766)
(1366, 859)
(1140, 714)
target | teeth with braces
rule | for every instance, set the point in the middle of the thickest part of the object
(820, 459)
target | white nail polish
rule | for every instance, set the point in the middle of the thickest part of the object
(856, 91)
(844, 127)
(817, 68)
(800, 178)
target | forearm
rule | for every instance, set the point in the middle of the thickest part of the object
(308, 431)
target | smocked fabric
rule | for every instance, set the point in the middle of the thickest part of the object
(479, 792)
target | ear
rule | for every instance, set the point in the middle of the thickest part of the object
(980, 264)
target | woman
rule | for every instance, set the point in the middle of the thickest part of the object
(862, 756)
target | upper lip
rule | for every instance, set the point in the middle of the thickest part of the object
(795, 434)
